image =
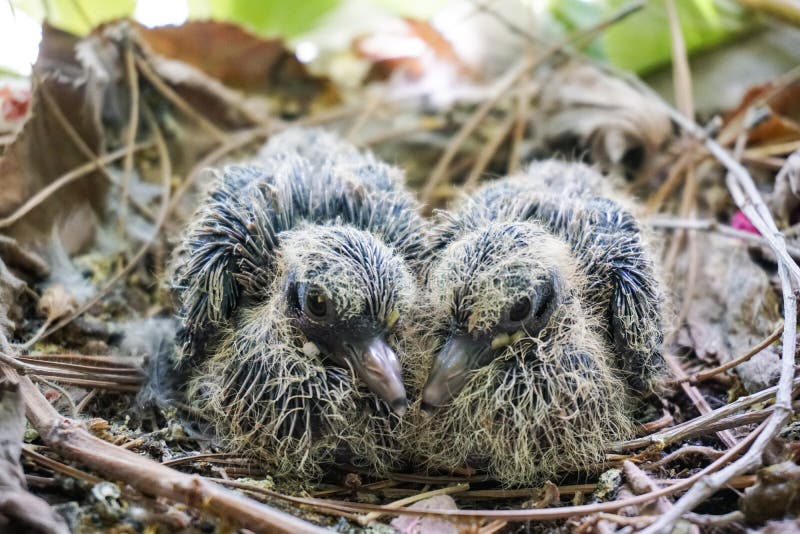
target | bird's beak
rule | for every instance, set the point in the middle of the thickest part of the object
(377, 365)
(460, 355)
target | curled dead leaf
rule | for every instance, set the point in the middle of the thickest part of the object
(56, 302)
(583, 110)
(775, 495)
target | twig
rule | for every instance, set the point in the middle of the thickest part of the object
(714, 520)
(133, 129)
(488, 151)
(523, 103)
(683, 93)
(708, 452)
(424, 125)
(544, 514)
(178, 101)
(85, 401)
(662, 422)
(680, 431)
(705, 375)
(710, 225)
(78, 141)
(130, 370)
(59, 467)
(493, 527)
(233, 142)
(504, 85)
(65, 179)
(640, 483)
(64, 374)
(372, 105)
(782, 411)
(70, 439)
(25, 345)
(696, 396)
(72, 408)
(372, 516)
(195, 457)
(681, 74)
(676, 172)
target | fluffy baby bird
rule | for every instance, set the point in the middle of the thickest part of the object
(542, 314)
(292, 280)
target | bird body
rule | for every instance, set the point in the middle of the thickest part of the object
(291, 281)
(542, 313)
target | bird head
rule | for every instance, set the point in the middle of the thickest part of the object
(346, 291)
(491, 292)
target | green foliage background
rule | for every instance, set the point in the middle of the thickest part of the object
(639, 43)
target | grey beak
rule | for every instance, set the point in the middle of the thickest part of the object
(450, 369)
(377, 365)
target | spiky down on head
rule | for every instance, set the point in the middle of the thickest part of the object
(520, 382)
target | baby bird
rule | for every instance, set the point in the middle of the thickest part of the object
(542, 314)
(292, 279)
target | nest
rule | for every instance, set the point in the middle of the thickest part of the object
(702, 434)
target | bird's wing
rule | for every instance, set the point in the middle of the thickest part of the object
(229, 247)
(608, 244)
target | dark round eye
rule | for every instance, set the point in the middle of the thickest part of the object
(520, 310)
(316, 303)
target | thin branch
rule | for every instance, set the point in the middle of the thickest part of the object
(682, 430)
(63, 392)
(696, 396)
(55, 108)
(710, 225)
(133, 129)
(504, 85)
(233, 142)
(523, 103)
(782, 412)
(450, 490)
(166, 178)
(544, 514)
(178, 101)
(70, 439)
(66, 179)
(705, 375)
(686, 450)
(488, 151)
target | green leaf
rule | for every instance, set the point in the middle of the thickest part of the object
(268, 18)
(76, 16)
(642, 41)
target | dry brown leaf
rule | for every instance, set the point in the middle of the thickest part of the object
(775, 495)
(783, 122)
(233, 56)
(42, 151)
(210, 63)
(20, 511)
(735, 306)
(584, 111)
(87, 78)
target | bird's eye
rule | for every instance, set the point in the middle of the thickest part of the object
(520, 310)
(316, 303)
